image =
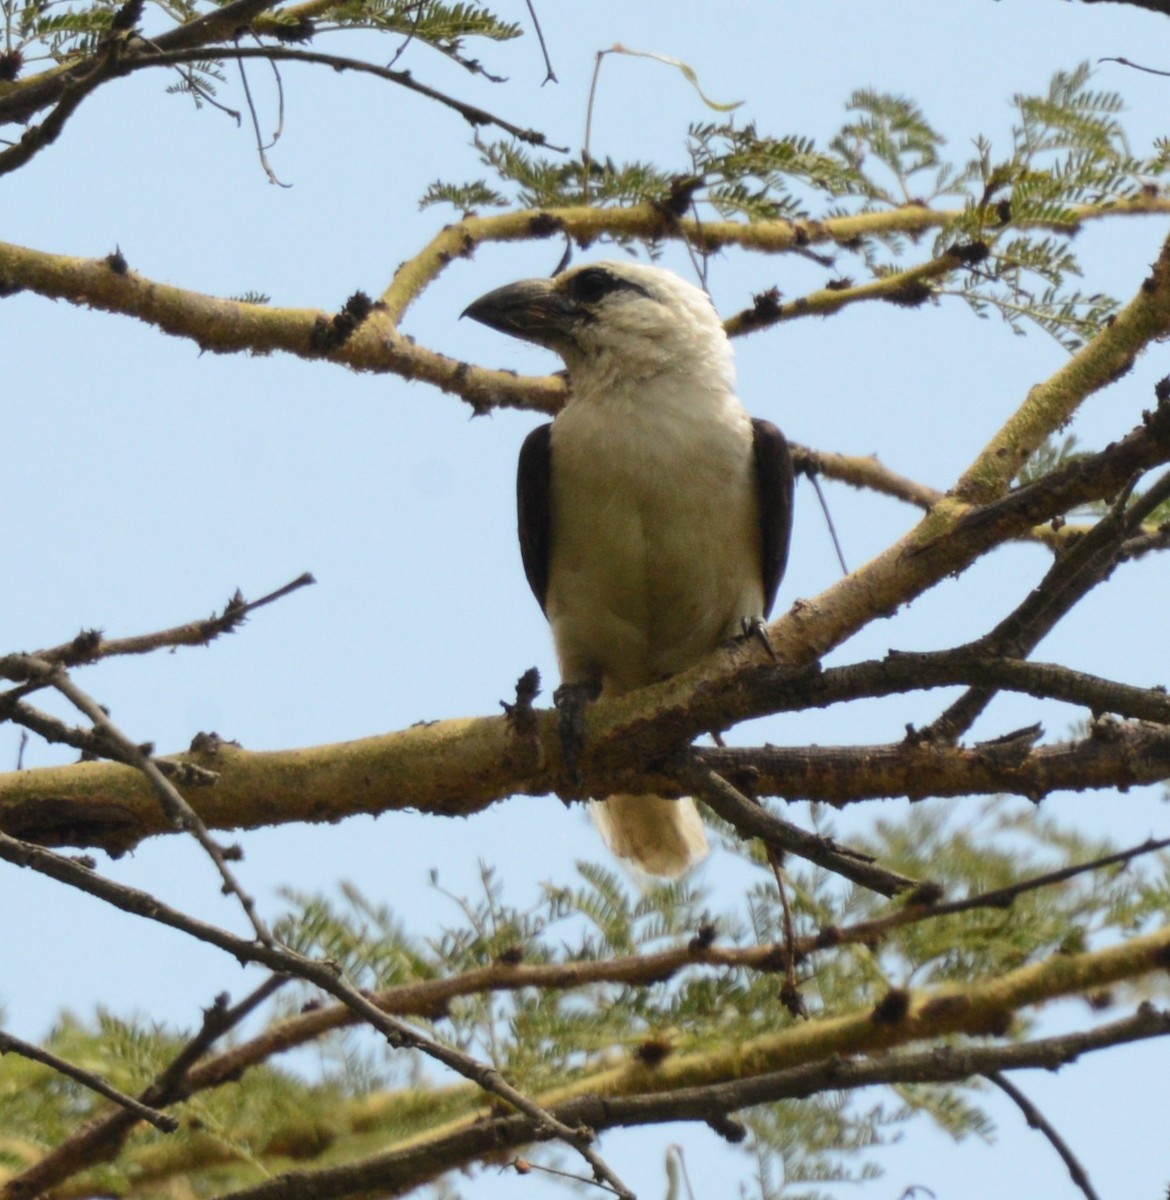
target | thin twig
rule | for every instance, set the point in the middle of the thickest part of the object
(752, 820)
(95, 1083)
(90, 646)
(550, 75)
(586, 156)
(790, 993)
(410, 33)
(811, 476)
(471, 113)
(864, 472)
(261, 146)
(1135, 66)
(1036, 1120)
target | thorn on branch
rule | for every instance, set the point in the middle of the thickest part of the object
(969, 253)
(793, 1001)
(544, 225)
(682, 193)
(728, 1129)
(300, 30)
(912, 294)
(328, 336)
(127, 17)
(209, 744)
(765, 308)
(892, 1008)
(927, 894)
(85, 647)
(524, 748)
(704, 939)
(116, 261)
(520, 716)
(11, 62)
(654, 1051)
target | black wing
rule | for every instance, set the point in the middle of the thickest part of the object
(775, 483)
(534, 508)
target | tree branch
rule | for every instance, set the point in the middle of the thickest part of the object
(226, 326)
(751, 820)
(398, 1171)
(1088, 563)
(90, 645)
(1115, 755)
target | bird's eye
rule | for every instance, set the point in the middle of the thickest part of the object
(592, 284)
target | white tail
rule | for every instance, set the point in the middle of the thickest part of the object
(662, 837)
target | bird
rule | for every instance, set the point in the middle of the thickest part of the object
(654, 513)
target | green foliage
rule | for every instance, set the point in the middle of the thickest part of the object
(446, 27)
(1068, 151)
(540, 182)
(467, 197)
(198, 80)
(892, 130)
(759, 178)
(798, 1144)
(1047, 457)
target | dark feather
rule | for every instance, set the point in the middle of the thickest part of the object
(775, 482)
(534, 508)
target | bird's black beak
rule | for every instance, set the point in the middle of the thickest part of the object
(533, 309)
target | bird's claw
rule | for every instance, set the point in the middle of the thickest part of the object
(755, 627)
(571, 700)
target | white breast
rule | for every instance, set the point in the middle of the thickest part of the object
(655, 541)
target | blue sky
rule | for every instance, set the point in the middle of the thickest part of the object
(144, 481)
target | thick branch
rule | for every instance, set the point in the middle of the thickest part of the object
(458, 767)
(1116, 755)
(1074, 574)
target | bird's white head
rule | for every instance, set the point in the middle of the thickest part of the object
(615, 321)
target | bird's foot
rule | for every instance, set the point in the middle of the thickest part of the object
(571, 700)
(755, 627)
